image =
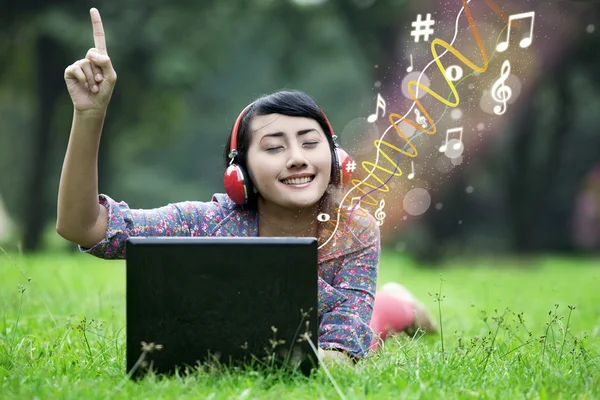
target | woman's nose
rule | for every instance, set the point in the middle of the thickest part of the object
(296, 157)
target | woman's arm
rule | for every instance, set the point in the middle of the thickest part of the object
(80, 218)
(90, 82)
(179, 219)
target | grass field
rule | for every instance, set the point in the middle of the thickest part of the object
(508, 332)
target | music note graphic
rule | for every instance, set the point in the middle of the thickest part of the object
(525, 42)
(352, 203)
(409, 69)
(412, 170)
(421, 119)
(379, 214)
(380, 104)
(456, 145)
(500, 92)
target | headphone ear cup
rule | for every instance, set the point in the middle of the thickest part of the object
(346, 165)
(236, 184)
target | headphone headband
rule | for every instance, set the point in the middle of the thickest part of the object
(236, 126)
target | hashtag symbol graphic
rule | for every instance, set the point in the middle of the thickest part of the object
(351, 166)
(422, 28)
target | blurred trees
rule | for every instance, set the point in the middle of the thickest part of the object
(186, 69)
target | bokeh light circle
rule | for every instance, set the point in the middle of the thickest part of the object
(416, 201)
(457, 160)
(454, 148)
(406, 128)
(414, 76)
(456, 114)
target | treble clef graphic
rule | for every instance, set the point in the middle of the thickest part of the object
(500, 92)
(421, 119)
(379, 214)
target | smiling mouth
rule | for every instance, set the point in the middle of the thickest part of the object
(299, 181)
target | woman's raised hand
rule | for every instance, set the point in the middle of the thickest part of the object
(91, 80)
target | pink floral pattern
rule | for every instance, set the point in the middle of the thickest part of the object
(348, 265)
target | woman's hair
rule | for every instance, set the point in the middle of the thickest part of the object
(293, 103)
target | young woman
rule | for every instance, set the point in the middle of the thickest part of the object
(285, 147)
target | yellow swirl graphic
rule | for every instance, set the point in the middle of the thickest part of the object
(394, 118)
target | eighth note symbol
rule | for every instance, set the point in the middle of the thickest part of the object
(525, 42)
(421, 119)
(502, 93)
(456, 145)
(380, 104)
(379, 214)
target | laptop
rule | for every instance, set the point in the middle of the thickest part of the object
(230, 301)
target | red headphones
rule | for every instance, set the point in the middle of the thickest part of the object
(236, 179)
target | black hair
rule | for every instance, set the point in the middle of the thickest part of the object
(292, 103)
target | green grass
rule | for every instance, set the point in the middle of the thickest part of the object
(508, 332)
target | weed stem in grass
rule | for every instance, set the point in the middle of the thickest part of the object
(22, 291)
(571, 308)
(439, 298)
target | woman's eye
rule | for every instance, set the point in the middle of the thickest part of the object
(311, 144)
(273, 149)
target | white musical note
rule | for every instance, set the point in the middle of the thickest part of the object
(379, 214)
(500, 92)
(421, 119)
(323, 217)
(525, 42)
(456, 145)
(409, 69)
(352, 203)
(380, 104)
(412, 170)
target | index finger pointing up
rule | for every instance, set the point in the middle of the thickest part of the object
(99, 40)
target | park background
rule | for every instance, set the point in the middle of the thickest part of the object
(516, 216)
(527, 183)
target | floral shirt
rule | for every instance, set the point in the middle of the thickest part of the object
(348, 263)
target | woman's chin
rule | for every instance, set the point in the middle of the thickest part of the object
(302, 202)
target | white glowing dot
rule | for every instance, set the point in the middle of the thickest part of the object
(469, 189)
(480, 126)
(471, 86)
(404, 218)
(460, 221)
(376, 66)
(417, 201)
(438, 206)
(590, 28)
(377, 84)
(456, 114)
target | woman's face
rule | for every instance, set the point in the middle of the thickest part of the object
(289, 160)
